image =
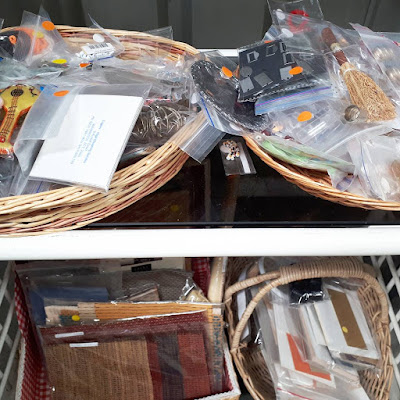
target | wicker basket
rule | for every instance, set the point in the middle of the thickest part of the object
(249, 360)
(74, 207)
(319, 184)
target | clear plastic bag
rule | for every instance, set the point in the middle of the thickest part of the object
(377, 166)
(268, 68)
(165, 32)
(202, 138)
(346, 330)
(352, 68)
(385, 52)
(293, 98)
(216, 88)
(303, 156)
(60, 111)
(325, 125)
(169, 78)
(16, 101)
(101, 46)
(14, 72)
(175, 356)
(289, 339)
(37, 40)
(235, 157)
(308, 8)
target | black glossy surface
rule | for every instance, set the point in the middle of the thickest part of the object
(202, 196)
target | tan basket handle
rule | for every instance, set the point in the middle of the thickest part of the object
(341, 268)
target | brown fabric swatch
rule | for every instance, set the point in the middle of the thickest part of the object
(155, 371)
(111, 370)
(192, 355)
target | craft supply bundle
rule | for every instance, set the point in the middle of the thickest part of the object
(314, 95)
(77, 108)
(303, 328)
(125, 329)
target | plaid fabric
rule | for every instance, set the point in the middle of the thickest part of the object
(201, 272)
(171, 370)
(192, 354)
(34, 380)
(156, 375)
(126, 329)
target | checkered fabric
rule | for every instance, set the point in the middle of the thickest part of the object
(201, 272)
(34, 381)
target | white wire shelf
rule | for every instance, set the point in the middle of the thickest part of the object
(81, 244)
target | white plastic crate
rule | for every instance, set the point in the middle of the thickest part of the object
(388, 268)
(9, 334)
(389, 272)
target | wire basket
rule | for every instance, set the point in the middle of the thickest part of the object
(74, 207)
(319, 184)
(249, 359)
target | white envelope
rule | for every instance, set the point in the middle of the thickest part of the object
(90, 141)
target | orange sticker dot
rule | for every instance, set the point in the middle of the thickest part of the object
(13, 39)
(227, 72)
(48, 25)
(83, 65)
(296, 71)
(268, 41)
(61, 93)
(304, 116)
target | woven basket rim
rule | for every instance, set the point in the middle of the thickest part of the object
(73, 207)
(311, 182)
(66, 28)
(343, 267)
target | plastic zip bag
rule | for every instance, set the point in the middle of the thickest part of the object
(59, 109)
(201, 139)
(300, 155)
(216, 88)
(351, 67)
(377, 166)
(308, 8)
(284, 346)
(385, 52)
(321, 125)
(165, 32)
(267, 68)
(101, 46)
(37, 40)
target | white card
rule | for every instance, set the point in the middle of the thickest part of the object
(90, 141)
(285, 326)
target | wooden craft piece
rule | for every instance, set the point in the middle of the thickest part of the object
(17, 101)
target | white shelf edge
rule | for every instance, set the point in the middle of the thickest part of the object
(82, 244)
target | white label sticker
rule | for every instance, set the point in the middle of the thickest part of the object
(98, 48)
(92, 344)
(71, 334)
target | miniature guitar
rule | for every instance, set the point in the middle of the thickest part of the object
(17, 102)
